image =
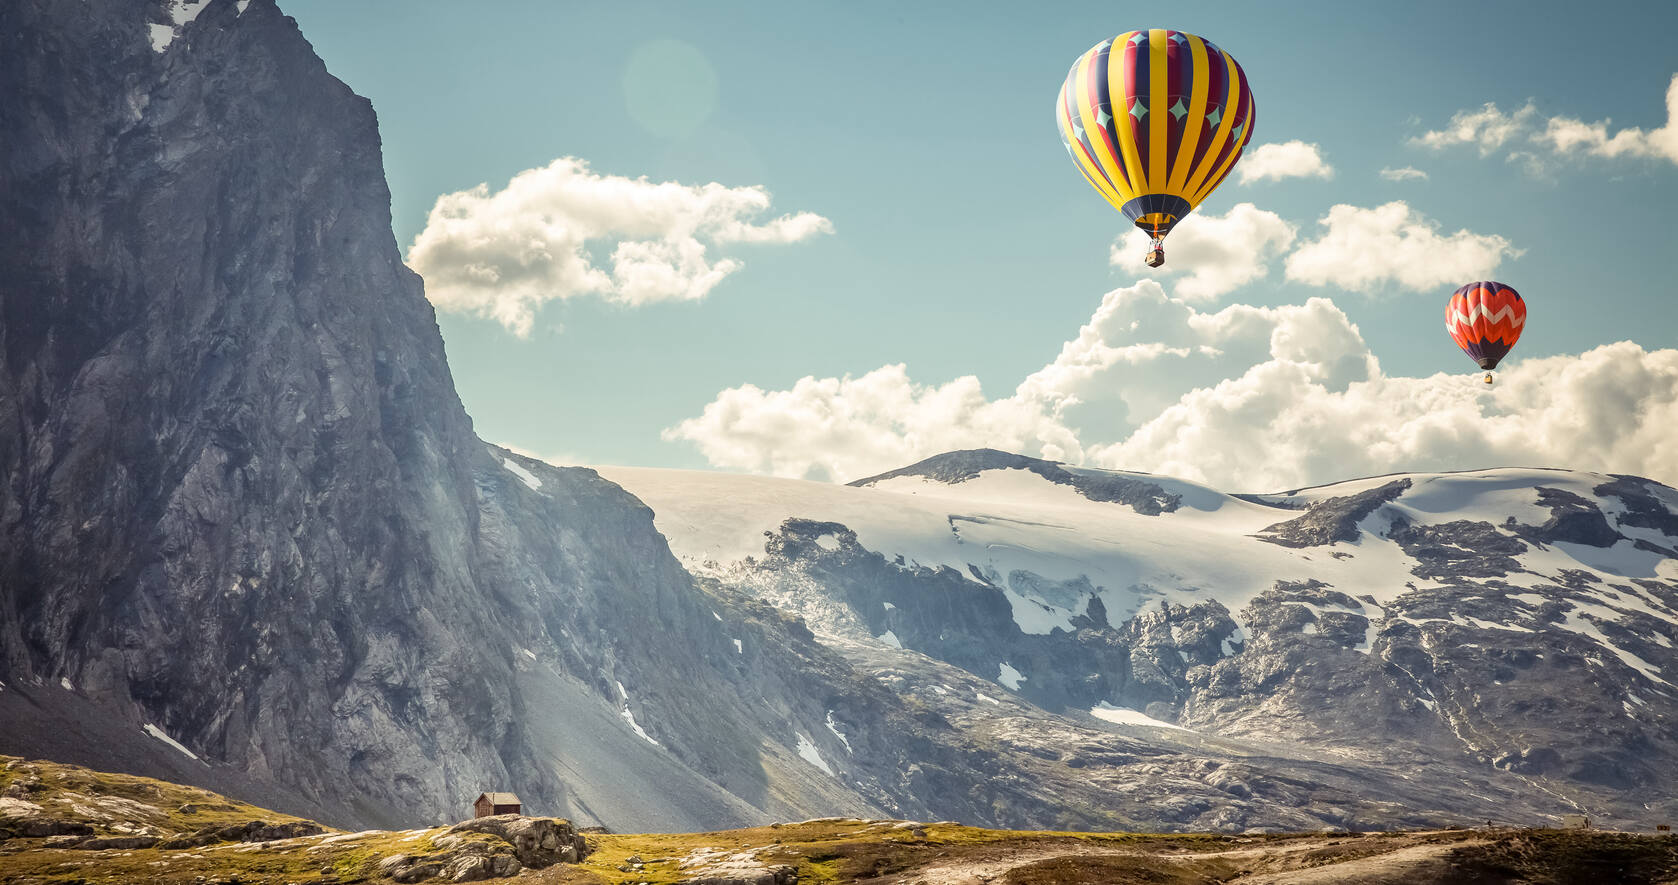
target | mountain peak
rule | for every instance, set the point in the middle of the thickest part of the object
(1108, 486)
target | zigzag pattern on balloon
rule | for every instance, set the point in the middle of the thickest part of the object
(1502, 324)
(1506, 314)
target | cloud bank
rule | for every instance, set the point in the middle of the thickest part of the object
(1245, 398)
(565, 231)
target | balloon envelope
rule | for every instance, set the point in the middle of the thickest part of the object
(1485, 319)
(1155, 120)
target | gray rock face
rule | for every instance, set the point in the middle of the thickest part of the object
(1335, 519)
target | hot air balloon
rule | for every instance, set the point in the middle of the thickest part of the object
(1155, 120)
(1485, 319)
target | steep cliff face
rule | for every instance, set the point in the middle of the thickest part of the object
(242, 503)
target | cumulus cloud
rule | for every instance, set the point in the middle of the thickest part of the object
(504, 254)
(844, 428)
(1565, 135)
(1245, 399)
(1216, 254)
(1558, 136)
(1602, 410)
(1288, 159)
(1142, 351)
(1487, 128)
(1139, 354)
(1404, 173)
(1364, 249)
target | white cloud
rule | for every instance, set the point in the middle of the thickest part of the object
(1491, 129)
(1488, 128)
(1289, 159)
(503, 255)
(1565, 135)
(1605, 410)
(1403, 173)
(1142, 351)
(1138, 354)
(843, 428)
(1363, 249)
(1246, 399)
(1218, 253)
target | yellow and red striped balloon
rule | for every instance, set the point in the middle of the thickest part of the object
(1485, 319)
(1155, 120)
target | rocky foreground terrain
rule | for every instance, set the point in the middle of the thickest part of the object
(61, 824)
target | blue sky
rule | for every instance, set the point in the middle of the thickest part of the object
(962, 241)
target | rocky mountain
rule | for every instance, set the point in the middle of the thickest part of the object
(1501, 641)
(248, 538)
(249, 541)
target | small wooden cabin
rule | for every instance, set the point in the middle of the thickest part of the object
(495, 803)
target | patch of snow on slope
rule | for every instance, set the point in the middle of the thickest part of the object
(180, 12)
(241, 6)
(834, 727)
(1125, 716)
(828, 542)
(987, 698)
(889, 638)
(161, 36)
(1239, 637)
(183, 11)
(629, 717)
(1488, 625)
(523, 474)
(1582, 620)
(64, 683)
(159, 733)
(1035, 616)
(808, 752)
(739, 647)
(1009, 676)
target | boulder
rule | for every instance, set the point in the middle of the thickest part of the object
(537, 841)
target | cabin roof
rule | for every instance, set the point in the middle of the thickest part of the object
(499, 798)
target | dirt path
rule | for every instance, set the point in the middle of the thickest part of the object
(982, 871)
(1417, 863)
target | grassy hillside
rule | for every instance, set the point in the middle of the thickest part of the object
(63, 824)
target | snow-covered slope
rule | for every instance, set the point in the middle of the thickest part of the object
(1042, 542)
(1521, 621)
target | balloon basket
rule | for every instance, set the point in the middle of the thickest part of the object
(1488, 379)
(1156, 257)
